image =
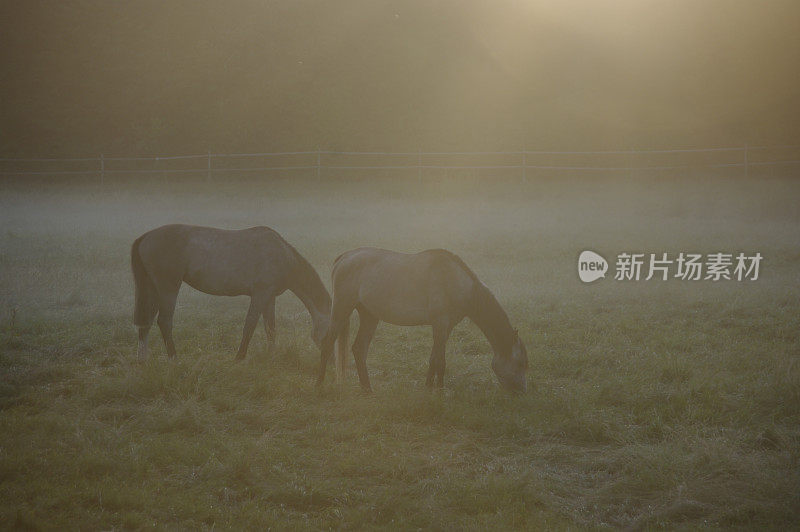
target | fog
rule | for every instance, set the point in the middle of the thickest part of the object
(661, 402)
(122, 78)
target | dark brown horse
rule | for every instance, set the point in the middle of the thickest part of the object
(432, 287)
(256, 262)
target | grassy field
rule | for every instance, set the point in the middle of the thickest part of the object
(650, 404)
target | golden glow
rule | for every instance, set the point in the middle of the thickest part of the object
(161, 77)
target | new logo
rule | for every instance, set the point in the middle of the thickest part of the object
(591, 266)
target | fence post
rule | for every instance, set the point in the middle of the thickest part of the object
(208, 168)
(630, 162)
(318, 158)
(102, 170)
(746, 165)
(524, 166)
(419, 165)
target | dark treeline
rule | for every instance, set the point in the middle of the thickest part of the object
(154, 77)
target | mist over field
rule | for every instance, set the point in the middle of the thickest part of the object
(651, 404)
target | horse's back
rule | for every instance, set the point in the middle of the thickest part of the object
(403, 288)
(215, 261)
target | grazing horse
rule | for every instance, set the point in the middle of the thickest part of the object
(433, 287)
(256, 262)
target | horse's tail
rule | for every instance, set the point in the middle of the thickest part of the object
(144, 307)
(342, 342)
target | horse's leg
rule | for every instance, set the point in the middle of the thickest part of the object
(340, 360)
(340, 313)
(146, 315)
(268, 311)
(141, 350)
(142, 347)
(166, 309)
(441, 332)
(367, 323)
(326, 349)
(250, 322)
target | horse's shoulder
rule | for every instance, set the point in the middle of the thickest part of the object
(263, 235)
(444, 256)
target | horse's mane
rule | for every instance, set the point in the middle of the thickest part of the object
(458, 260)
(487, 312)
(310, 273)
(283, 241)
(303, 261)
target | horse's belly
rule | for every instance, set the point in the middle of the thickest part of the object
(218, 283)
(397, 310)
(406, 317)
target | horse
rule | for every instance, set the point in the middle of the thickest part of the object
(433, 287)
(256, 262)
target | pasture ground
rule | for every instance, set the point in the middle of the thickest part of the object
(650, 404)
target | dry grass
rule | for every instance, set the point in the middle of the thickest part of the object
(652, 404)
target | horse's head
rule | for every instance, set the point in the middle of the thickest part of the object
(510, 369)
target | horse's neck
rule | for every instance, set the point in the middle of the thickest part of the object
(493, 321)
(308, 287)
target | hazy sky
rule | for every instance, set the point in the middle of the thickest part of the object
(166, 76)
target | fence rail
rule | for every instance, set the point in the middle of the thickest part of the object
(212, 164)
